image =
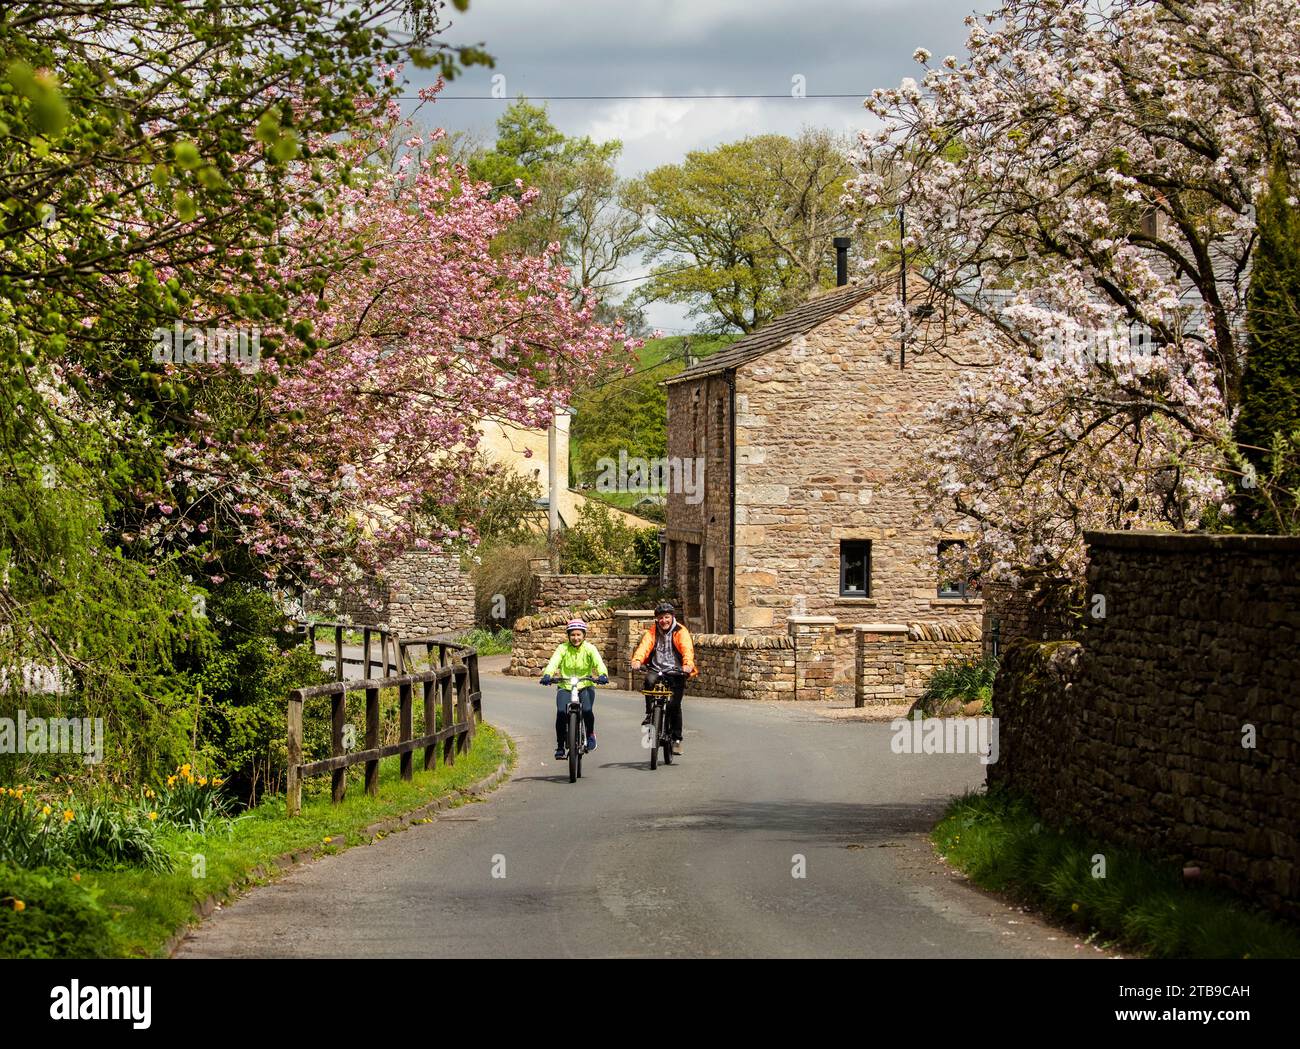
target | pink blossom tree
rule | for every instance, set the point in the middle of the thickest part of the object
(383, 369)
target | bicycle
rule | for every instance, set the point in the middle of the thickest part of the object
(659, 697)
(577, 730)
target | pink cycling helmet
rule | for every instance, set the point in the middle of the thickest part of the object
(576, 624)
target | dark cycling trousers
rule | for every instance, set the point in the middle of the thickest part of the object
(587, 697)
(673, 708)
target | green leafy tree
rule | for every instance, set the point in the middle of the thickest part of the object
(1268, 426)
(601, 543)
(630, 413)
(242, 686)
(504, 509)
(743, 232)
(581, 203)
(145, 179)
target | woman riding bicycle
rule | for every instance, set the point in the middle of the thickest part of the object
(578, 658)
(667, 652)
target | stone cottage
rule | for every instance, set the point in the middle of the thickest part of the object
(806, 507)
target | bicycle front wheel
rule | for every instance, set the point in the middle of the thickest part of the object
(575, 719)
(656, 731)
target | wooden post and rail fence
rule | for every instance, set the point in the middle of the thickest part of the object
(451, 688)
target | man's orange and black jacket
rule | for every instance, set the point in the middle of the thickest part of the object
(681, 638)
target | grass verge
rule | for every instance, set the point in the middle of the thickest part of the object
(1000, 843)
(149, 908)
(488, 642)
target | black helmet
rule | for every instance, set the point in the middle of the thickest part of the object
(663, 607)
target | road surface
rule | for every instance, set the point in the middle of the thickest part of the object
(778, 833)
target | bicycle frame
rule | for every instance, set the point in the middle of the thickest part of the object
(577, 741)
(659, 697)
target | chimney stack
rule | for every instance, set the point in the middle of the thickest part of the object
(841, 260)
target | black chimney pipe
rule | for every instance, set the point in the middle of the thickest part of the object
(841, 260)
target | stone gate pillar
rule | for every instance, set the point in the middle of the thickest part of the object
(814, 656)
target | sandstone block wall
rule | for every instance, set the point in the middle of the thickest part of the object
(699, 429)
(1173, 724)
(895, 660)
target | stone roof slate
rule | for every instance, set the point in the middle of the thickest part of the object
(778, 331)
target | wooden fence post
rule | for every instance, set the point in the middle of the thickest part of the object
(476, 693)
(293, 781)
(339, 777)
(448, 720)
(430, 725)
(404, 731)
(372, 739)
(462, 708)
(338, 653)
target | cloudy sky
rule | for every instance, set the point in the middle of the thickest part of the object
(547, 48)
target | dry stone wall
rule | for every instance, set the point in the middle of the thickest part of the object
(420, 593)
(555, 592)
(1173, 724)
(895, 660)
(536, 638)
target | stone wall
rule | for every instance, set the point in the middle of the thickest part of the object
(1138, 732)
(895, 660)
(419, 593)
(795, 666)
(743, 667)
(1039, 615)
(536, 638)
(556, 592)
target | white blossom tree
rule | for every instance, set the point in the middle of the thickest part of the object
(1087, 180)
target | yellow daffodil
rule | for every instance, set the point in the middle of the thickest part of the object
(203, 781)
(216, 782)
(46, 811)
(153, 815)
(19, 906)
(328, 840)
(171, 780)
(148, 793)
(68, 814)
(185, 770)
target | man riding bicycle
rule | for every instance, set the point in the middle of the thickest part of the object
(578, 658)
(667, 653)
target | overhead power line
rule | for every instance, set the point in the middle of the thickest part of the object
(626, 98)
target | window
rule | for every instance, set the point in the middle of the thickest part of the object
(957, 576)
(855, 568)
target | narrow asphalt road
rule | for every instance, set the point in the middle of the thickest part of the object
(695, 859)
